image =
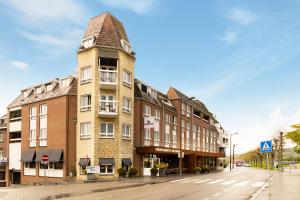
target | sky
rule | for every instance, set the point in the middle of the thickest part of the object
(240, 57)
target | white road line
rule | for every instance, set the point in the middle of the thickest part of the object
(188, 181)
(216, 181)
(242, 183)
(258, 184)
(218, 194)
(203, 181)
(228, 182)
(179, 180)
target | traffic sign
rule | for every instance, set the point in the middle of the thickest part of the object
(266, 146)
(45, 158)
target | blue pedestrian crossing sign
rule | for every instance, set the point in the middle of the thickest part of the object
(266, 146)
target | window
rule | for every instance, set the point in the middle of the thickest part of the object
(43, 110)
(182, 123)
(106, 169)
(64, 82)
(157, 114)
(167, 133)
(188, 113)
(85, 102)
(147, 110)
(29, 165)
(108, 105)
(43, 125)
(87, 42)
(86, 75)
(126, 105)
(106, 130)
(167, 118)
(25, 94)
(49, 87)
(147, 137)
(182, 108)
(127, 77)
(38, 90)
(126, 46)
(1, 154)
(174, 137)
(32, 126)
(156, 136)
(174, 120)
(85, 130)
(126, 131)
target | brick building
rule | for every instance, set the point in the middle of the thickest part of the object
(105, 98)
(3, 152)
(181, 126)
(42, 121)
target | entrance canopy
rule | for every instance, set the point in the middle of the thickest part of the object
(28, 155)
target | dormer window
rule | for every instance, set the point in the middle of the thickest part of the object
(87, 42)
(126, 46)
(49, 87)
(64, 82)
(25, 94)
(38, 90)
(152, 92)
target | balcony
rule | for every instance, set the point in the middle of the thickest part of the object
(107, 108)
(108, 79)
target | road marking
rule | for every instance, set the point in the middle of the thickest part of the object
(179, 180)
(228, 182)
(217, 194)
(188, 181)
(242, 183)
(216, 181)
(258, 184)
(203, 181)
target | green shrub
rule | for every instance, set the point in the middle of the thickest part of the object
(197, 169)
(154, 170)
(132, 172)
(162, 165)
(204, 169)
(122, 172)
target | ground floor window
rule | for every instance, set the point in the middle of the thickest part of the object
(106, 169)
(51, 169)
(29, 169)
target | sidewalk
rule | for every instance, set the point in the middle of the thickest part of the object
(284, 186)
(78, 188)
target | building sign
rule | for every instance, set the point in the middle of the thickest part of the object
(167, 150)
(90, 169)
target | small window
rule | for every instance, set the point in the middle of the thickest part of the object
(25, 94)
(85, 103)
(38, 90)
(85, 130)
(126, 46)
(147, 134)
(49, 87)
(87, 42)
(43, 110)
(127, 77)
(106, 130)
(64, 82)
(174, 120)
(126, 105)
(86, 75)
(167, 118)
(147, 110)
(106, 169)
(32, 111)
(126, 131)
(157, 114)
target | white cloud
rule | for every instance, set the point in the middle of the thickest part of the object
(242, 16)
(229, 37)
(138, 6)
(19, 64)
(45, 10)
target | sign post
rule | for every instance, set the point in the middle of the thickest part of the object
(45, 159)
(266, 147)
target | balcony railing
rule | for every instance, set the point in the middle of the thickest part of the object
(108, 78)
(107, 108)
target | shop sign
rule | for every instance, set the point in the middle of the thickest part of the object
(149, 122)
(90, 169)
(167, 150)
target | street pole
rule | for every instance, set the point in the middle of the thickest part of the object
(233, 157)
(230, 152)
(269, 175)
(45, 174)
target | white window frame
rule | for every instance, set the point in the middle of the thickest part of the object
(147, 111)
(87, 107)
(49, 87)
(106, 166)
(65, 82)
(38, 90)
(127, 77)
(25, 94)
(106, 134)
(85, 130)
(157, 114)
(126, 131)
(183, 107)
(86, 75)
(43, 131)
(126, 102)
(147, 136)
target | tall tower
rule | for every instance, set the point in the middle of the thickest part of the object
(105, 98)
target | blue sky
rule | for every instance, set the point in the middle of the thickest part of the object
(241, 58)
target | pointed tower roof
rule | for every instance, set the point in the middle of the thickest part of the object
(107, 31)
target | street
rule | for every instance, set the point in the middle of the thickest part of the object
(239, 184)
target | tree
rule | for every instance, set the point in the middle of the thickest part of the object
(295, 137)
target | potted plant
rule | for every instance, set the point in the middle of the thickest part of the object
(198, 170)
(204, 170)
(132, 172)
(122, 172)
(162, 168)
(153, 171)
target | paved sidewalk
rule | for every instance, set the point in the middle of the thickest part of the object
(285, 186)
(78, 188)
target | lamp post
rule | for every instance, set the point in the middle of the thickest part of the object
(230, 149)
(233, 155)
(180, 148)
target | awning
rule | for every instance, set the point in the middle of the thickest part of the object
(84, 161)
(106, 161)
(126, 161)
(28, 155)
(53, 154)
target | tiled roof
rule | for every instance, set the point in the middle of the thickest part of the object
(57, 91)
(107, 31)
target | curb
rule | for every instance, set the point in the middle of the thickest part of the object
(261, 188)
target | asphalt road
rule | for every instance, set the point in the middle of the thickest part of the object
(239, 185)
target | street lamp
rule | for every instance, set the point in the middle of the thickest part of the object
(180, 148)
(230, 149)
(233, 155)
